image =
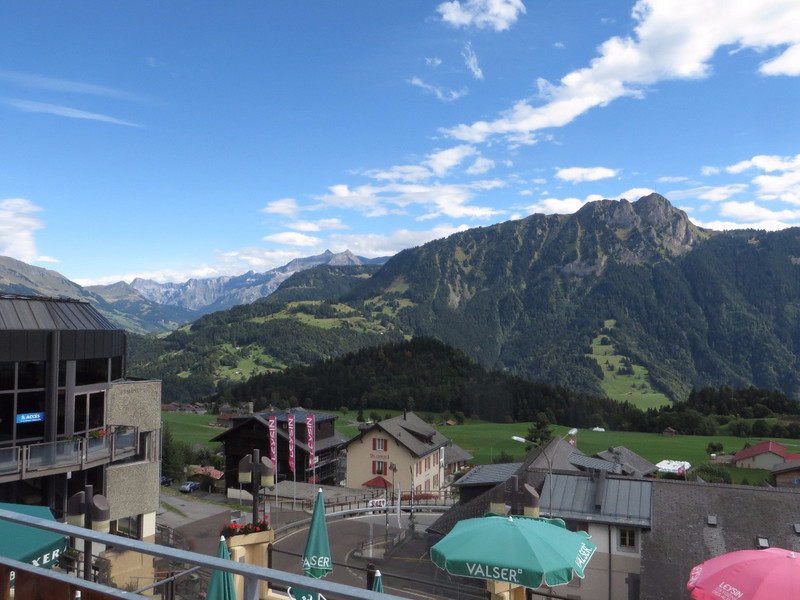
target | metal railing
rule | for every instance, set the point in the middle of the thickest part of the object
(38, 459)
(252, 574)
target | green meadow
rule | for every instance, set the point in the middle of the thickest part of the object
(487, 441)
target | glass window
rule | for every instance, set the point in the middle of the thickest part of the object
(627, 539)
(32, 374)
(116, 368)
(6, 417)
(91, 370)
(97, 412)
(7, 370)
(79, 423)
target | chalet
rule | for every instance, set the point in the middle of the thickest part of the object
(250, 432)
(402, 453)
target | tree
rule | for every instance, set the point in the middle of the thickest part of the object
(174, 455)
(539, 432)
(714, 448)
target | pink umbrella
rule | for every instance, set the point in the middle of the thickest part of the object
(766, 574)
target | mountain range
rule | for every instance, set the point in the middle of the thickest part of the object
(681, 307)
(146, 306)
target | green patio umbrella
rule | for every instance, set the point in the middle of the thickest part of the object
(317, 554)
(377, 583)
(220, 586)
(30, 544)
(525, 551)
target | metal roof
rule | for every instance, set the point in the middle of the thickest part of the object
(38, 313)
(488, 474)
(592, 463)
(618, 501)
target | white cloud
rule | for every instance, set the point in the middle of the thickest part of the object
(435, 200)
(783, 183)
(561, 206)
(667, 44)
(442, 161)
(433, 61)
(65, 111)
(706, 171)
(318, 225)
(471, 60)
(632, 194)
(31, 81)
(579, 174)
(480, 166)
(292, 238)
(17, 227)
(285, 206)
(498, 15)
(373, 245)
(711, 193)
(673, 179)
(440, 93)
(752, 212)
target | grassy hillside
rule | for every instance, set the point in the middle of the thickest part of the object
(486, 441)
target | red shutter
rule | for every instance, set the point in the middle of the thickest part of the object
(373, 467)
(374, 443)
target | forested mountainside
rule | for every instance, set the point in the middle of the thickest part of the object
(696, 308)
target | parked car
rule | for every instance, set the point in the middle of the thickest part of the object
(189, 487)
(166, 480)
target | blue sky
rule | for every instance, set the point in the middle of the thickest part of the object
(184, 139)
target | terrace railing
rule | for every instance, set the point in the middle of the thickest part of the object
(36, 460)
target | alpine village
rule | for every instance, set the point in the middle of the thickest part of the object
(618, 385)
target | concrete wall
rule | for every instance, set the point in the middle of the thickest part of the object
(135, 403)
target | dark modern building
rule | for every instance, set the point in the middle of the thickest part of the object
(250, 432)
(68, 416)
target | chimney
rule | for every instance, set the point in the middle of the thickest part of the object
(249, 408)
(404, 414)
(530, 501)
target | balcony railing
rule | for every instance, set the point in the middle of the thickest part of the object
(64, 586)
(35, 460)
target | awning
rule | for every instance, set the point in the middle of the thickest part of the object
(378, 482)
(30, 544)
(208, 472)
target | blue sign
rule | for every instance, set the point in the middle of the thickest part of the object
(30, 417)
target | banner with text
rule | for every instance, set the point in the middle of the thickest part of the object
(290, 418)
(310, 439)
(273, 442)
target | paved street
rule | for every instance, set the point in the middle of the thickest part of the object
(405, 571)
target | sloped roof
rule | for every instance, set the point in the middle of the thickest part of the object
(681, 536)
(765, 447)
(613, 500)
(408, 430)
(483, 475)
(455, 454)
(632, 463)
(592, 463)
(262, 419)
(378, 482)
(31, 313)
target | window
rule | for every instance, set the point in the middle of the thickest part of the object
(378, 467)
(379, 444)
(427, 463)
(419, 467)
(627, 539)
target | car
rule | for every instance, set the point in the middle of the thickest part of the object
(166, 480)
(189, 487)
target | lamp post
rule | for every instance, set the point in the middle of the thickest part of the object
(260, 471)
(93, 511)
(522, 440)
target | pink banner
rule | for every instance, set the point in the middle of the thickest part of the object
(310, 439)
(290, 418)
(273, 441)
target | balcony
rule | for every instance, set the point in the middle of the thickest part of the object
(39, 460)
(37, 583)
